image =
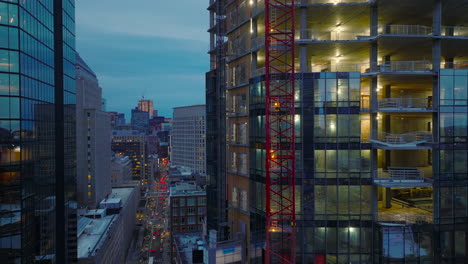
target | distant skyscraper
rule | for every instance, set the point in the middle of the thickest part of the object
(37, 132)
(116, 119)
(188, 138)
(140, 120)
(93, 139)
(146, 105)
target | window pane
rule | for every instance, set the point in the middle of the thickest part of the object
(4, 84)
(319, 160)
(13, 38)
(4, 61)
(4, 107)
(3, 37)
(460, 89)
(3, 13)
(446, 87)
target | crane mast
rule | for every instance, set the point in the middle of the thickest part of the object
(280, 142)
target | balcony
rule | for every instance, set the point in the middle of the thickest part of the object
(397, 67)
(413, 140)
(402, 67)
(406, 30)
(401, 177)
(403, 218)
(405, 105)
(336, 35)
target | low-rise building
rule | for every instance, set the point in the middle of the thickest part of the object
(187, 208)
(188, 248)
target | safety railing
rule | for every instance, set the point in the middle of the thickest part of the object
(405, 103)
(403, 218)
(406, 138)
(405, 66)
(401, 177)
(454, 31)
(390, 66)
(401, 173)
(336, 35)
(404, 30)
(341, 67)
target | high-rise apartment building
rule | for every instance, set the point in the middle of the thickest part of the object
(381, 127)
(216, 124)
(93, 139)
(188, 138)
(146, 105)
(37, 132)
(140, 120)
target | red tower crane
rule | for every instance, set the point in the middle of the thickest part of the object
(280, 142)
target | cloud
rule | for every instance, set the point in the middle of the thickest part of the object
(151, 47)
(182, 19)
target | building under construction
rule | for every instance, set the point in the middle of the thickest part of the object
(349, 115)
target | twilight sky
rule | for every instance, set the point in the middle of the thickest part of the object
(154, 48)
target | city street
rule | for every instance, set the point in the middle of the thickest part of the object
(156, 237)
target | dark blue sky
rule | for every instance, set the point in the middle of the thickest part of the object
(145, 47)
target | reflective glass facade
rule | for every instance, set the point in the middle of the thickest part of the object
(37, 138)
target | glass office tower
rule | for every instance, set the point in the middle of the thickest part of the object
(37, 132)
(381, 123)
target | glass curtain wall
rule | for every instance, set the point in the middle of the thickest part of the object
(451, 209)
(28, 132)
(333, 196)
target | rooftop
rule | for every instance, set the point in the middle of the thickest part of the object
(186, 243)
(120, 193)
(90, 234)
(127, 133)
